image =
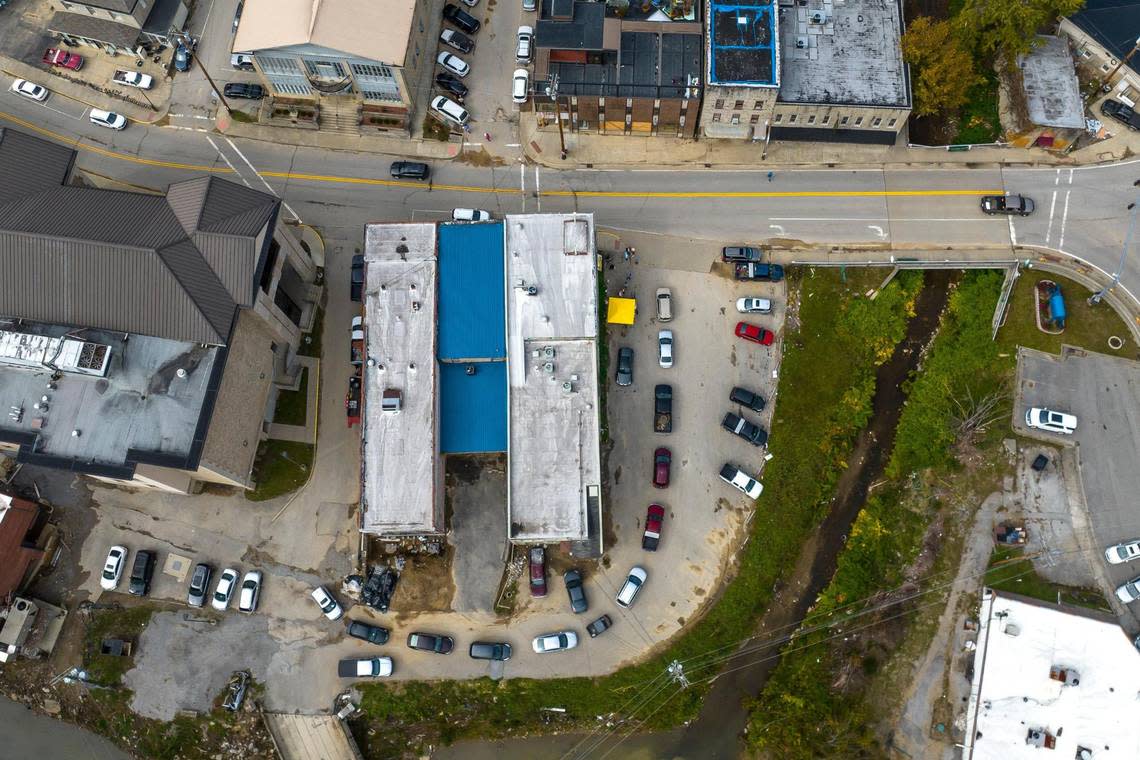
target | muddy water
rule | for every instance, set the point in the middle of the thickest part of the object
(715, 734)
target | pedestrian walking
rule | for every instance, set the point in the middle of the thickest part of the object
(770, 175)
(1130, 205)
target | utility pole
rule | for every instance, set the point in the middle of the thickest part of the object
(194, 58)
(677, 673)
(1111, 74)
(1096, 297)
(552, 91)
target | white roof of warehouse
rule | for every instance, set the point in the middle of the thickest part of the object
(1019, 642)
(402, 484)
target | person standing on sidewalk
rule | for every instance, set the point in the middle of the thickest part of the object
(770, 175)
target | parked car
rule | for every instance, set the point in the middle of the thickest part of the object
(199, 585)
(576, 591)
(739, 426)
(1122, 112)
(632, 586)
(356, 342)
(1129, 592)
(1054, 422)
(113, 568)
(141, 572)
(654, 519)
(462, 20)
(1010, 205)
(450, 110)
(356, 289)
(182, 58)
(624, 374)
(457, 40)
(490, 650)
(250, 591)
(537, 572)
(244, 90)
(754, 306)
(524, 44)
(1118, 554)
(63, 59)
(30, 90)
(430, 642)
(329, 606)
(746, 398)
(373, 634)
(740, 253)
(756, 271)
(451, 84)
(599, 626)
(754, 333)
(242, 61)
(470, 3)
(453, 63)
(665, 348)
(663, 408)
(470, 215)
(108, 119)
(237, 16)
(662, 459)
(227, 582)
(554, 642)
(409, 170)
(741, 481)
(135, 79)
(530, 5)
(365, 667)
(520, 86)
(664, 305)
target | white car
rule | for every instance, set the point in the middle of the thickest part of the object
(520, 86)
(632, 586)
(108, 119)
(1129, 592)
(30, 90)
(754, 306)
(328, 605)
(1121, 553)
(227, 582)
(664, 305)
(555, 642)
(665, 348)
(524, 47)
(453, 63)
(250, 591)
(1047, 419)
(450, 110)
(530, 5)
(113, 568)
(470, 215)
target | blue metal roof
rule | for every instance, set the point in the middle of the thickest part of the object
(472, 307)
(743, 43)
(473, 408)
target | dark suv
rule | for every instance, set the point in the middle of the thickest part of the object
(409, 170)
(490, 650)
(1122, 112)
(575, 591)
(141, 571)
(451, 84)
(373, 634)
(244, 90)
(462, 20)
(740, 253)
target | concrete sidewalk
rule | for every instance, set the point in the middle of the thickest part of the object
(393, 145)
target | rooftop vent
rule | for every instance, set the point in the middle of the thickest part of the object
(391, 401)
(1067, 676)
(818, 17)
(548, 368)
(1039, 737)
(801, 43)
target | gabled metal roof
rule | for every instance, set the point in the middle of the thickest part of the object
(29, 164)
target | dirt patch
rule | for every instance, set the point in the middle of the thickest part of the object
(466, 468)
(425, 583)
(479, 158)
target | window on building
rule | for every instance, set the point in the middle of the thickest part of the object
(275, 65)
(716, 117)
(374, 71)
(719, 103)
(757, 105)
(876, 122)
(792, 119)
(892, 122)
(325, 69)
(844, 120)
(738, 105)
(1105, 68)
(735, 118)
(811, 119)
(858, 121)
(826, 119)
(1084, 53)
(778, 118)
(754, 119)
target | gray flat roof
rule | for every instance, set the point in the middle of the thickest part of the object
(1052, 93)
(553, 458)
(843, 53)
(402, 491)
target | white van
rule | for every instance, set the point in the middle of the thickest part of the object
(1047, 419)
(450, 110)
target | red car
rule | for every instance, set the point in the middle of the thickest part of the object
(754, 333)
(661, 460)
(62, 58)
(537, 572)
(653, 520)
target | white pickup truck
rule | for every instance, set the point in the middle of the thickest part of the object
(133, 79)
(365, 667)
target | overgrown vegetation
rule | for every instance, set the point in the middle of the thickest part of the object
(281, 467)
(126, 624)
(291, 408)
(824, 399)
(603, 359)
(435, 130)
(1009, 571)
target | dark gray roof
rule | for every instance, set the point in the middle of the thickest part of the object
(583, 33)
(92, 28)
(119, 6)
(29, 164)
(1115, 24)
(161, 16)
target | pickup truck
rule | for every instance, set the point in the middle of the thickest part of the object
(364, 667)
(756, 271)
(737, 425)
(741, 481)
(356, 346)
(62, 58)
(663, 409)
(133, 79)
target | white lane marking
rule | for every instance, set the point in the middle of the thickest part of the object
(873, 219)
(1052, 208)
(522, 185)
(190, 116)
(779, 230)
(1064, 218)
(232, 167)
(538, 188)
(514, 145)
(185, 129)
(267, 185)
(878, 231)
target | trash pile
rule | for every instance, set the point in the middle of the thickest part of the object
(381, 584)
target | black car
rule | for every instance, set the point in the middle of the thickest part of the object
(1123, 113)
(409, 170)
(141, 571)
(599, 626)
(373, 634)
(747, 398)
(575, 591)
(451, 84)
(244, 90)
(462, 20)
(624, 374)
(356, 291)
(490, 650)
(457, 40)
(1009, 205)
(430, 642)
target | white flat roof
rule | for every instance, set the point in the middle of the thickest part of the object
(553, 431)
(1019, 642)
(402, 484)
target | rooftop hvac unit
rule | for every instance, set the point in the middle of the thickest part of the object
(415, 305)
(548, 352)
(520, 283)
(801, 43)
(548, 368)
(818, 17)
(568, 387)
(532, 290)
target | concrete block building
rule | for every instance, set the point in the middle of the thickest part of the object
(119, 26)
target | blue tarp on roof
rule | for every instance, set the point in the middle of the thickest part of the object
(473, 408)
(472, 308)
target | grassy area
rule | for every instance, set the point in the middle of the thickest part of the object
(243, 117)
(1009, 571)
(824, 399)
(311, 341)
(292, 405)
(282, 467)
(1085, 326)
(978, 120)
(124, 624)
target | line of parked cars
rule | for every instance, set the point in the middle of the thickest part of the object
(142, 571)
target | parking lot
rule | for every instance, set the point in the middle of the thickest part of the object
(1104, 394)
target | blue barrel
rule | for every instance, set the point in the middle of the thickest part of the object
(1057, 306)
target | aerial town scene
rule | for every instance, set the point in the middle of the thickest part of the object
(569, 380)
